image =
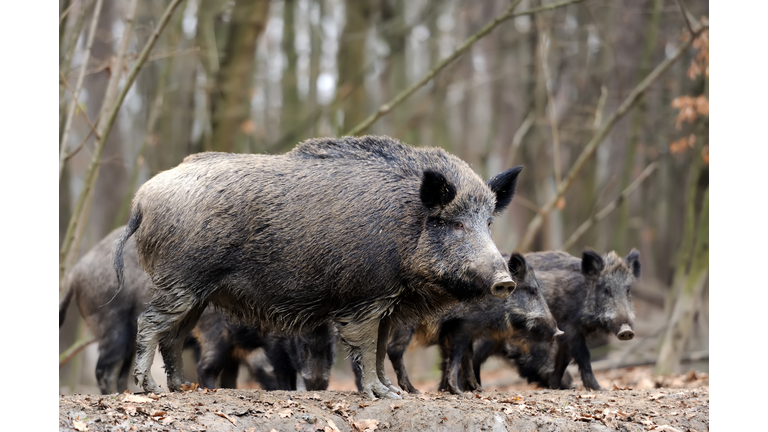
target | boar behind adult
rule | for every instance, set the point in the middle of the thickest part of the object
(361, 230)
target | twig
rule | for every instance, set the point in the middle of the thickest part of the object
(525, 202)
(600, 106)
(609, 208)
(589, 150)
(66, 12)
(684, 11)
(397, 100)
(78, 87)
(74, 349)
(79, 146)
(76, 102)
(105, 125)
(517, 139)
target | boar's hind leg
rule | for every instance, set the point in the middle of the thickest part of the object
(562, 358)
(401, 337)
(168, 318)
(469, 381)
(115, 350)
(381, 352)
(362, 339)
(453, 342)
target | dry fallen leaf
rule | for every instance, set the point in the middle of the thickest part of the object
(129, 409)
(221, 414)
(588, 396)
(285, 413)
(79, 426)
(615, 387)
(331, 426)
(137, 398)
(665, 428)
(368, 425)
(656, 397)
(193, 386)
(167, 420)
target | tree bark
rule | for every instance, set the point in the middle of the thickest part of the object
(351, 58)
(234, 81)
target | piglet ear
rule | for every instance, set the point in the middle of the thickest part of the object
(591, 263)
(633, 260)
(436, 190)
(503, 185)
(517, 266)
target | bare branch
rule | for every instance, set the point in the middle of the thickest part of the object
(517, 139)
(589, 150)
(79, 146)
(397, 100)
(609, 208)
(107, 119)
(687, 20)
(77, 104)
(74, 349)
(66, 12)
(78, 87)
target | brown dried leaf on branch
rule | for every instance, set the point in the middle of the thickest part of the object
(690, 108)
(682, 144)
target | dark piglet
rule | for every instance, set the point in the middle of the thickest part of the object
(361, 231)
(523, 314)
(224, 345)
(587, 296)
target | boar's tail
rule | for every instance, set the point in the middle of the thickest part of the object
(64, 305)
(117, 256)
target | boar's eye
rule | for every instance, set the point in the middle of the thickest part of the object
(490, 221)
(458, 225)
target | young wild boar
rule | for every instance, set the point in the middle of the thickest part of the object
(587, 296)
(224, 345)
(523, 314)
(363, 231)
(92, 282)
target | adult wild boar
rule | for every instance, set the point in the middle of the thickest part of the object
(359, 230)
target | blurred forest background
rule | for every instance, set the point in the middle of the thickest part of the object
(605, 102)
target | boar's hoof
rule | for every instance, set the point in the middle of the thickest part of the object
(148, 384)
(625, 333)
(503, 287)
(380, 390)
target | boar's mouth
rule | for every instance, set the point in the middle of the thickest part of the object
(503, 287)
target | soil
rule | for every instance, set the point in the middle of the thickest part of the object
(635, 402)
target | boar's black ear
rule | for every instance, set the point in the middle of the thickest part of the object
(633, 259)
(591, 263)
(436, 190)
(517, 266)
(503, 185)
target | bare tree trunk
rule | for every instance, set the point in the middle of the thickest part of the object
(234, 81)
(292, 108)
(351, 58)
(693, 271)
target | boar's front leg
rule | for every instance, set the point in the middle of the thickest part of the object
(562, 358)
(580, 354)
(362, 339)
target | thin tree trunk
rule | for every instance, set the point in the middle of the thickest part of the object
(291, 110)
(690, 287)
(234, 81)
(622, 227)
(351, 56)
(80, 78)
(106, 120)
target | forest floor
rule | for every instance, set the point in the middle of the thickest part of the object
(635, 401)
